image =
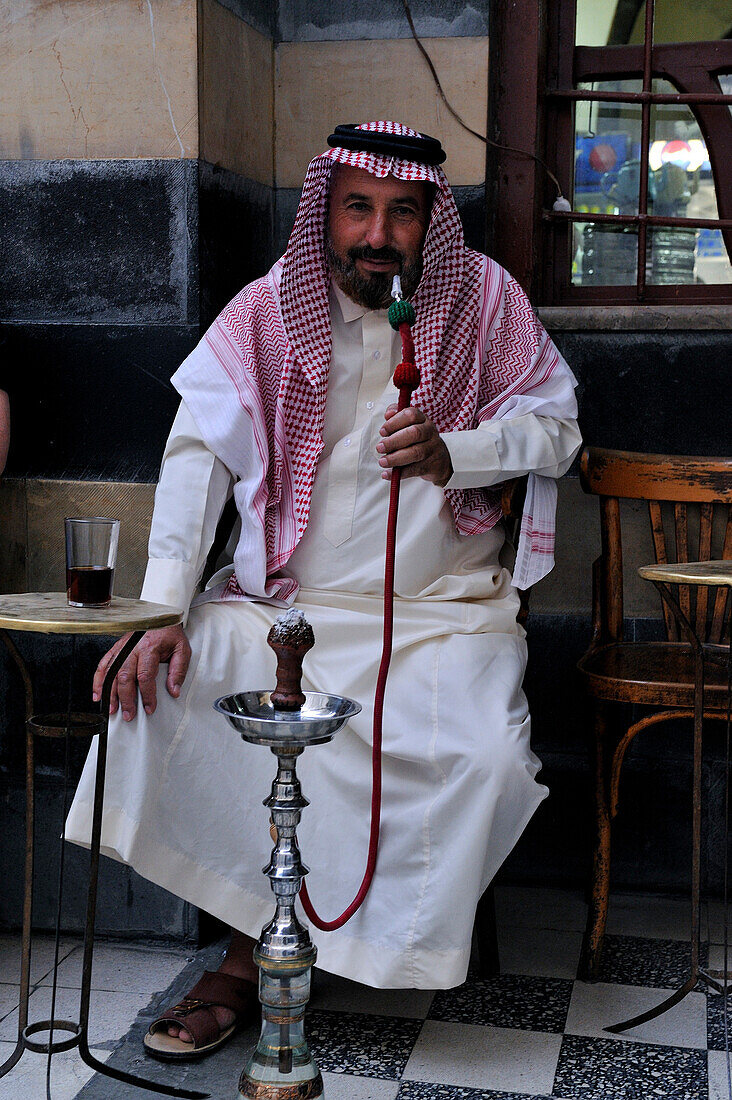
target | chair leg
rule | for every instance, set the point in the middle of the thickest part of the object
(486, 930)
(597, 915)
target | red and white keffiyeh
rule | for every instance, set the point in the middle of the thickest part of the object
(256, 384)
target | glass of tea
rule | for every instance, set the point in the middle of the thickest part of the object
(91, 555)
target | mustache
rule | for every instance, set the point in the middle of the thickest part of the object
(364, 252)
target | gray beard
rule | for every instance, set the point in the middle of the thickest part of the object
(370, 291)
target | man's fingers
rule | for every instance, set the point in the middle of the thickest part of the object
(407, 456)
(127, 687)
(395, 421)
(409, 436)
(147, 671)
(178, 667)
(102, 667)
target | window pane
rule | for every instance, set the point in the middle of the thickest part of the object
(604, 255)
(607, 152)
(621, 22)
(686, 21)
(680, 185)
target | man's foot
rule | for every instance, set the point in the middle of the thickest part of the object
(213, 1010)
(238, 962)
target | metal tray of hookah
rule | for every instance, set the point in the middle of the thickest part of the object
(259, 722)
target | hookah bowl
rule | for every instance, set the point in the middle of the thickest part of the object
(282, 1067)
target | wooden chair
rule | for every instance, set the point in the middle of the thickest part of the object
(690, 513)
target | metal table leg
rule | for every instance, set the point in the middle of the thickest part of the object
(696, 974)
(25, 957)
(78, 1032)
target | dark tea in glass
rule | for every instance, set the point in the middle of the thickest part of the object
(89, 585)
(91, 556)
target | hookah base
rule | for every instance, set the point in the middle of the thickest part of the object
(311, 1089)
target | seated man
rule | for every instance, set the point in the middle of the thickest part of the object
(287, 402)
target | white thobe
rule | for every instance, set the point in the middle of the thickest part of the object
(183, 794)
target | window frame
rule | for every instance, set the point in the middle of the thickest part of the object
(533, 89)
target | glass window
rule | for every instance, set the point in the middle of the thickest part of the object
(680, 185)
(641, 123)
(617, 22)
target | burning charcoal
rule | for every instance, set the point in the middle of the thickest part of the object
(291, 636)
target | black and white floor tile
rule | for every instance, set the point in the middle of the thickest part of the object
(535, 1032)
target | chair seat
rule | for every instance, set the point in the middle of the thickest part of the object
(658, 673)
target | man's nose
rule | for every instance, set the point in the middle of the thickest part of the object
(377, 235)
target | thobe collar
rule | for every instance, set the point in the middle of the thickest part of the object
(350, 310)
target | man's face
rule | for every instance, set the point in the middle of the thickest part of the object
(376, 228)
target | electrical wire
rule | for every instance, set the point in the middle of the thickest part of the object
(461, 121)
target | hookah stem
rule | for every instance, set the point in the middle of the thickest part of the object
(405, 397)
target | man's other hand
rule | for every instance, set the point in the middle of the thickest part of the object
(411, 441)
(156, 647)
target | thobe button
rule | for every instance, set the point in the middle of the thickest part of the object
(377, 354)
(369, 404)
(347, 442)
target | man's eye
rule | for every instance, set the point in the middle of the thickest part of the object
(404, 212)
(358, 207)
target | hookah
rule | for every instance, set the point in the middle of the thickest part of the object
(287, 720)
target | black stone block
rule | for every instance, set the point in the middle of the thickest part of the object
(338, 20)
(99, 241)
(559, 718)
(286, 200)
(260, 14)
(666, 393)
(128, 905)
(471, 206)
(91, 401)
(556, 847)
(48, 660)
(236, 226)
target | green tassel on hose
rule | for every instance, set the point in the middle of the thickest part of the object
(399, 312)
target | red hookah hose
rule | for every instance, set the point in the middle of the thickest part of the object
(406, 379)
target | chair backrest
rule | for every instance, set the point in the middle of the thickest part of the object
(690, 512)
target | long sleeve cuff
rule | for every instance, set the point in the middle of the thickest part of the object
(501, 449)
(170, 582)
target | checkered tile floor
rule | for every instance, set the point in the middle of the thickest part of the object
(536, 1031)
(533, 1033)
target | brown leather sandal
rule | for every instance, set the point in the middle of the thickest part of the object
(195, 1014)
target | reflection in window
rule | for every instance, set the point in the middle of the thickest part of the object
(680, 185)
(622, 22)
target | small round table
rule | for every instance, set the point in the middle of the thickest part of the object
(50, 613)
(667, 578)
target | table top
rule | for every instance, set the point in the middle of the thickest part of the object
(691, 572)
(50, 613)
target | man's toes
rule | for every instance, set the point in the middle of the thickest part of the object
(224, 1017)
(177, 1032)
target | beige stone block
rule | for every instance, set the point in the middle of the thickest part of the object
(48, 502)
(236, 94)
(321, 84)
(90, 78)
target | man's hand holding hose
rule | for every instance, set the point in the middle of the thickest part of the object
(412, 442)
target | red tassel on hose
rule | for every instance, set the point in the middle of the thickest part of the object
(406, 379)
